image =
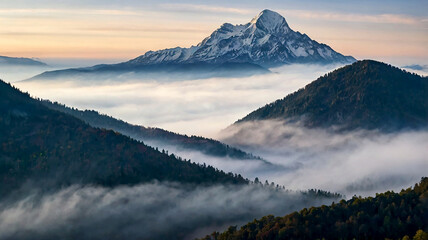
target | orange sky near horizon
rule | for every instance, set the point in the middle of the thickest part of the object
(125, 34)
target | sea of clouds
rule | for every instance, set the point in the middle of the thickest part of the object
(193, 107)
(147, 211)
(359, 162)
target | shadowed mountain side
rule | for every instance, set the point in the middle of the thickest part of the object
(41, 144)
(168, 71)
(366, 94)
(205, 145)
(5, 61)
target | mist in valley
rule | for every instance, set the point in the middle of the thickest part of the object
(165, 150)
(193, 107)
(359, 162)
(16, 73)
(147, 211)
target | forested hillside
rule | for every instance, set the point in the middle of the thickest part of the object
(156, 135)
(366, 94)
(41, 144)
(389, 215)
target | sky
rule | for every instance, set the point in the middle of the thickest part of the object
(95, 31)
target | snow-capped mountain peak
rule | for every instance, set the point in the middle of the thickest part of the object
(266, 40)
(270, 21)
(225, 31)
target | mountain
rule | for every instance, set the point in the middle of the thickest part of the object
(231, 50)
(366, 94)
(163, 71)
(38, 144)
(5, 61)
(416, 67)
(266, 40)
(156, 136)
(387, 216)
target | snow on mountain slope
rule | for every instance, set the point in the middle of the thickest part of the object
(266, 40)
(177, 54)
(230, 51)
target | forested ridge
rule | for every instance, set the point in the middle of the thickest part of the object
(40, 144)
(388, 215)
(196, 143)
(366, 94)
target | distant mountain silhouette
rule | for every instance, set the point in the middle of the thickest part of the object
(41, 144)
(4, 61)
(416, 67)
(366, 94)
(164, 71)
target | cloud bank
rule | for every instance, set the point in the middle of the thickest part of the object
(249, 168)
(193, 107)
(359, 162)
(148, 211)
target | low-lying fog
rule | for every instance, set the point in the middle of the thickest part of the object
(194, 107)
(359, 162)
(14, 73)
(147, 211)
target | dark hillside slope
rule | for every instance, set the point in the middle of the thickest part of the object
(366, 94)
(195, 143)
(169, 72)
(37, 143)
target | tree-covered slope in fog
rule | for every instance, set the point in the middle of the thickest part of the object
(366, 94)
(156, 136)
(389, 215)
(38, 143)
